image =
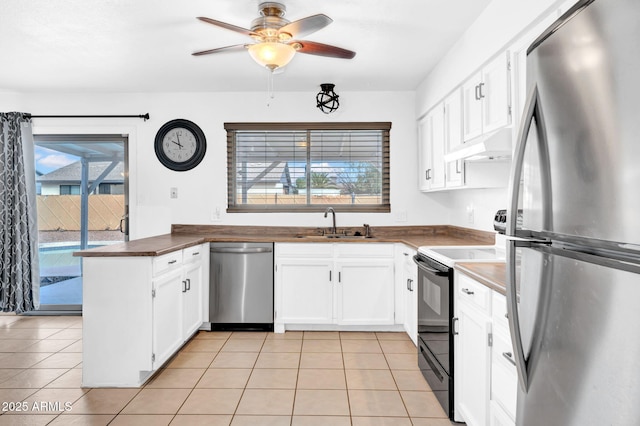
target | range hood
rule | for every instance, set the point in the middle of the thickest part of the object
(495, 145)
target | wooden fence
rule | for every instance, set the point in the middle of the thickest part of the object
(62, 212)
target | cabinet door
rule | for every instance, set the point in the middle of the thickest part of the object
(437, 149)
(453, 137)
(365, 292)
(431, 140)
(411, 297)
(471, 108)
(304, 291)
(425, 138)
(472, 365)
(504, 377)
(167, 315)
(495, 94)
(192, 298)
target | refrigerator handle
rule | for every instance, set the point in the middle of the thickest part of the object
(514, 317)
(530, 109)
(518, 160)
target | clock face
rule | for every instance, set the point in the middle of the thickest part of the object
(179, 145)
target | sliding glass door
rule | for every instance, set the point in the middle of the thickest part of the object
(82, 201)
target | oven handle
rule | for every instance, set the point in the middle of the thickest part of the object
(422, 265)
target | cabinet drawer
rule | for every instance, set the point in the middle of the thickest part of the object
(304, 250)
(195, 253)
(504, 377)
(167, 262)
(367, 250)
(474, 293)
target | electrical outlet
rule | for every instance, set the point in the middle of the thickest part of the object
(173, 193)
(216, 214)
(470, 215)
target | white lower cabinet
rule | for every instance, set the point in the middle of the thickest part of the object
(305, 291)
(137, 311)
(339, 284)
(167, 316)
(365, 292)
(193, 292)
(504, 377)
(406, 291)
(472, 354)
(485, 376)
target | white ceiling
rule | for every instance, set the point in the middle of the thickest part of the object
(146, 45)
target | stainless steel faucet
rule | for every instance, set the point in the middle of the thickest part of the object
(334, 230)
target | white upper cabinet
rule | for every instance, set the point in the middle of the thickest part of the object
(472, 104)
(431, 135)
(454, 172)
(486, 98)
(437, 174)
(425, 137)
(495, 93)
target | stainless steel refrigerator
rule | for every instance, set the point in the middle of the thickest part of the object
(574, 262)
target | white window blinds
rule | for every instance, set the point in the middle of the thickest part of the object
(297, 166)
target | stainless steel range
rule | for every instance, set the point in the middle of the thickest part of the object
(435, 312)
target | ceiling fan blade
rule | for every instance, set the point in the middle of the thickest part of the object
(313, 48)
(235, 47)
(227, 26)
(305, 26)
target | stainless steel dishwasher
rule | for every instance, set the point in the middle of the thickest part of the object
(241, 286)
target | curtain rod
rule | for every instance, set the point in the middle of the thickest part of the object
(143, 116)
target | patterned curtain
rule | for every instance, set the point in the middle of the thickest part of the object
(19, 272)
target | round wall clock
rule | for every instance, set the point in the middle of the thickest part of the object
(180, 145)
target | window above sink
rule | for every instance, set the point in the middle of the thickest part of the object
(295, 167)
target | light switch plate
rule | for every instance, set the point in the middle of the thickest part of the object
(173, 193)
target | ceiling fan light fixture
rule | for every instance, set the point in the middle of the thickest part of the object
(272, 55)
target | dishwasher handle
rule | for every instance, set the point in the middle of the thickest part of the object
(239, 250)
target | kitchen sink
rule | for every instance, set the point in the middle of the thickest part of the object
(334, 236)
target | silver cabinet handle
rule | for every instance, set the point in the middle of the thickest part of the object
(458, 169)
(467, 291)
(329, 275)
(410, 284)
(184, 286)
(195, 254)
(481, 95)
(453, 326)
(171, 262)
(509, 357)
(427, 174)
(477, 88)
(188, 284)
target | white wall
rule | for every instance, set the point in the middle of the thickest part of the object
(500, 24)
(203, 189)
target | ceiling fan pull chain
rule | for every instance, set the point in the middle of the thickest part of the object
(270, 94)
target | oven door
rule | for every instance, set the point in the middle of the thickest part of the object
(434, 308)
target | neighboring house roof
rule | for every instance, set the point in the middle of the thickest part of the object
(255, 170)
(73, 171)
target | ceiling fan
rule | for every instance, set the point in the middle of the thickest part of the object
(276, 39)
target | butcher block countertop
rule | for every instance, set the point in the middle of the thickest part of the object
(183, 236)
(491, 274)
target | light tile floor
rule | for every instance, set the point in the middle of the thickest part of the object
(219, 378)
